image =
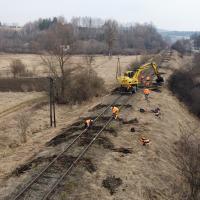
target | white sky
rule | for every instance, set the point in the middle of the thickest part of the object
(165, 14)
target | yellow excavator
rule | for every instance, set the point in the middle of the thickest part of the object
(130, 81)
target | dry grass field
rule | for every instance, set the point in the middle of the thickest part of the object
(147, 173)
(13, 103)
(105, 66)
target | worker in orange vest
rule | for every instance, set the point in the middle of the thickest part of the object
(144, 141)
(142, 79)
(148, 78)
(146, 93)
(129, 87)
(115, 112)
(148, 81)
(88, 123)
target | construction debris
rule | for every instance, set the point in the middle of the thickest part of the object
(132, 121)
(142, 110)
(133, 129)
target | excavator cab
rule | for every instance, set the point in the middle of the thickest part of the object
(129, 74)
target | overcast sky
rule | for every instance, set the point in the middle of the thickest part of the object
(165, 14)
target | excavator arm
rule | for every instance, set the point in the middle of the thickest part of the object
(145, 67)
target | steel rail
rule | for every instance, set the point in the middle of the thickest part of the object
(80, 155)
(76, 161)
(67, 147)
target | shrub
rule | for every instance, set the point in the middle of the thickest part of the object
(84, 86)
(17, 68)
(184, 84)
(23, 123)
(188, 162)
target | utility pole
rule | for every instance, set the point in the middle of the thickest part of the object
(54, 109)
(52, 102)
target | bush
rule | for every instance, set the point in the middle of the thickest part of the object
(188, 162)
(185, 85)
(17, 68)
(84, 86)
(81, 85)
(23, 123)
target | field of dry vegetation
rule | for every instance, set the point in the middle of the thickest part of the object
(148, 172)
(36, 105)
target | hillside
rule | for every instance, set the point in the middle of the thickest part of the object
(149, 172)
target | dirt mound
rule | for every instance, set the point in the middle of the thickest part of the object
(123, 150)
(112, 183)
(131, 121)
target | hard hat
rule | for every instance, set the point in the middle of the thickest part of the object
(148, 78)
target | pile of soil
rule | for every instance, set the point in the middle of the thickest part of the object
(123, 150)
(112, 183)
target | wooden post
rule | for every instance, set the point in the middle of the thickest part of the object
(50, 100)
(54, 110)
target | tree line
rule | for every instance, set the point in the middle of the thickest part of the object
(87, 36)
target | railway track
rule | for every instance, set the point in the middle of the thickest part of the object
(43, 185)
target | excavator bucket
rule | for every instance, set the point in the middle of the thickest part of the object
(160, 79)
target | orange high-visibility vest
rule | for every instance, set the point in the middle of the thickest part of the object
(88, 122)
(115, 110)
(148, 78)
(147, 91)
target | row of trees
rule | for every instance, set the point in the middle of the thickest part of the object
(183, 46)
(188, 160)
(186, 86)
(196, 39)
(89, 35)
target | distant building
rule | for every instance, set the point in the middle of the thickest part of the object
(194, 49)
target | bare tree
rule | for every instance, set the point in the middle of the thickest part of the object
(59, 45)
(110, 33)
(17, 68)
(89, 60)
(23, 123)
(188, 157)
